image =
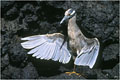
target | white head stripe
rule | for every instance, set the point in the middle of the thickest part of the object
(72, 12)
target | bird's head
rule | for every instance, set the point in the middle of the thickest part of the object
(68, 14)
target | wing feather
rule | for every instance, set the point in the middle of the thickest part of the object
(88, 56)
(57, 56)
(32, 43)
(67, 56)
(47, 47)
(40, 51)
(55, 51)
(46, 50)
(64, 60)
(62, 56)
(33, 37)
(34, 50)
(41, 48)
(52, 51)
(41, 54)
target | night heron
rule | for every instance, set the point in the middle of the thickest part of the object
(48, 46)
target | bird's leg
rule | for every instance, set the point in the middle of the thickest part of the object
(74, 68)
(73, 72)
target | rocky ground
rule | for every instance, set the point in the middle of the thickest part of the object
(95, 19)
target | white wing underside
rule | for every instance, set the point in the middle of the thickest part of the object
(44, 47)
(88, 55)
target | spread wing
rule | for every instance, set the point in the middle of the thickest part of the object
(88, 54)
(47, 47)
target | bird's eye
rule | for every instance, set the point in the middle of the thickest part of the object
(68, 14)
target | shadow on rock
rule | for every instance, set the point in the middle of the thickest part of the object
(47, 68)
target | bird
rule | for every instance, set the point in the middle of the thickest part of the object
(54, 47)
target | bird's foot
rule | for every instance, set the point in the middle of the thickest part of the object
(73, 72)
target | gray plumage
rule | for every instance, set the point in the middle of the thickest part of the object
(87, 49)
(48, 46)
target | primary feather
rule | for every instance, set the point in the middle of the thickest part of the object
(47, 47)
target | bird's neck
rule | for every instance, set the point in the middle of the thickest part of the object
(72, 20)
(73, 26)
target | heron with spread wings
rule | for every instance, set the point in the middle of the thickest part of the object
(50, 46)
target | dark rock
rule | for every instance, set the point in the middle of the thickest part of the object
(17, 54)
(4, 62)
(10, 27)
(111, 52)
(45, 68)
(66, 76)
(86, 72)
(100, 75)
(11, 73)
(112, 73)
(4, 38)
(5, 44)
(28, 8)
(97, 20)
(110, 56)
(29, 72)
(12, 14)
(58, 4)
(6, 5)
(64, 69)
(90, 73)
(30, 18)
(115, 71)
(11, 42)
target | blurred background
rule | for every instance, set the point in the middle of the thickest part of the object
(19, 19)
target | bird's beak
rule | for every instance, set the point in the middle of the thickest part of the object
(64, 18)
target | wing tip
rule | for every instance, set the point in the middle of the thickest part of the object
(23, 39)
(22, 44)
(26, 47)
(90, 66)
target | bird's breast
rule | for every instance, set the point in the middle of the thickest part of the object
(72, 41)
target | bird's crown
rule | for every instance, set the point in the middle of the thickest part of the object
(70, 12)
